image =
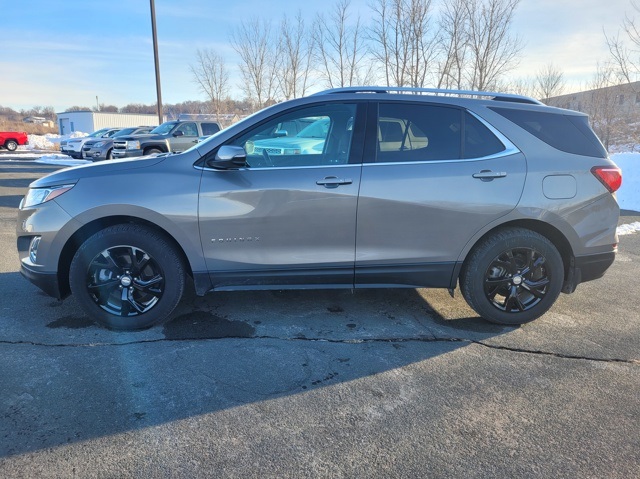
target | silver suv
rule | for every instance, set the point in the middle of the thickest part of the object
(510, 199)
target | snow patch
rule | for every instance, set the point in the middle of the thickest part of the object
(60, 160)
(50, 141)
(629, 193)
(628, 228)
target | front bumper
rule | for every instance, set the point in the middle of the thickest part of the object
(47, 282)
(120, 153)
(95, 153)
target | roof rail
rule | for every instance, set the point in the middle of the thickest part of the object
(432, 91)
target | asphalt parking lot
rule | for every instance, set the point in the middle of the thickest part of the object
(380, 383)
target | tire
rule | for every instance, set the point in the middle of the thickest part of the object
(127, 277)
(109, 155)
(11, 145)
(151, 151)
(512, 277)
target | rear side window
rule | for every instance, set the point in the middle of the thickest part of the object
(210, 128)
(478, 139)
(412, 132)
(568, 133)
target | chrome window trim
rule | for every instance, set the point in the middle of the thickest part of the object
(509, 147)
(272, 168)
(502, 154)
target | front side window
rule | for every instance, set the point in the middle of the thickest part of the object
(312, 136)
(188, 129)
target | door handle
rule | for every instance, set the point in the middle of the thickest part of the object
(333, 182)
(488, 175)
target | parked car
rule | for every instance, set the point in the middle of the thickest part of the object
(512, 200)
(73, 146)
(100, 149)
(11, 139)
(309, 141)
(170, 137)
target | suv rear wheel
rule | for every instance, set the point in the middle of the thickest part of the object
(127, 277)
(512, 277)
(11, 145)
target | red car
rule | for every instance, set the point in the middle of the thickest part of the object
(11, 139)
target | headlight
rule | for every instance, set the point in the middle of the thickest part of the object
(133, 145)
(97, 145)
(36, 196)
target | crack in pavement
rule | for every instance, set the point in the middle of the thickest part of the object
(336, 341)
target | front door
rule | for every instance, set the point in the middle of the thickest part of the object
(184, 137)
(289, 217)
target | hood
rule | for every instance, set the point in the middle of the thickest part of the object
(94, 141)
(75, 173)
(141, 136)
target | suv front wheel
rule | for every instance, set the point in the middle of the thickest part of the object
(127, 277)
(513, 276)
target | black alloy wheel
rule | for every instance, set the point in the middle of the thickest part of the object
(127, 277)
(125, 280)
(517, 280)
(512, 276)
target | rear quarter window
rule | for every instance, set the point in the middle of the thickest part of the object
(568, 133)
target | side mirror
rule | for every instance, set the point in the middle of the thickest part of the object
(281, 133)
(229, 157)
(179, 133)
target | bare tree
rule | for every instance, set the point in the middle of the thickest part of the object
(601, 106)
(625, 51)
(405, 41)
(518, 86)
(295, 49)
(252, 41)
(212, 78)
(549, 82)
(105, 108)
(340, 48)
(493, 50)
(453, 42)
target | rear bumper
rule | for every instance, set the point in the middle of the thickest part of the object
(594, 266)
(588, 268)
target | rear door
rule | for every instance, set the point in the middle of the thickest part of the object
(433, 176)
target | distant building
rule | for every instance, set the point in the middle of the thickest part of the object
(39, 120)
(35, 119)
(90, 121)
(225, 119)
(623, 99)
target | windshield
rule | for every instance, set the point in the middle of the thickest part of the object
(99, 133)
(125, 131)
(164, 128)
(317, 129)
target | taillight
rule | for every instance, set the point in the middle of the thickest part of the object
(610, 177)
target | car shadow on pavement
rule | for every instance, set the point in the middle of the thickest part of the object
(65, 380)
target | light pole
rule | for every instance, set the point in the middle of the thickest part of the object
(157, 62)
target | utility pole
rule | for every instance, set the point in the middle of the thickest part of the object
(157, 62)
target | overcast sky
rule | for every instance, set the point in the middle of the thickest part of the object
(68, 52)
